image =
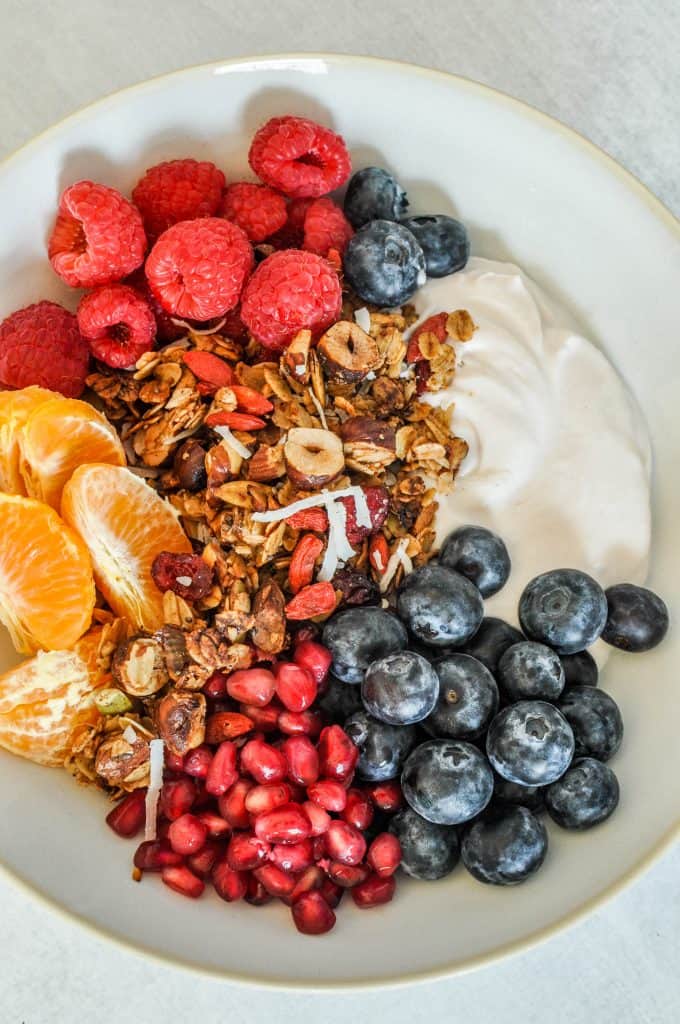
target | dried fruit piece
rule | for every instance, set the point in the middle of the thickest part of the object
(309, 519)
(303, 560)
(378, 553)
(378, 501)
(209, 368)
(436, 325)
(186, 575)
(234, 420)
(316, 599)
(348, 353)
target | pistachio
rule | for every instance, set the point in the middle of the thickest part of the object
(111, 701)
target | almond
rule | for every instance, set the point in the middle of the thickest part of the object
(267, 464)
(295, 358)
(347, 352)
(313, 457)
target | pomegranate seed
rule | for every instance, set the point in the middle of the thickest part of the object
(275, 881)
(384, 854)
(216, 825)
(319, 849)
(226, 725)
(302, 760)
(315, 658)
(232, 805)
(327, 793)
(187, 835)
(312, 878)
(311, 914)
(337, 754)
(203, 798)
(264, 719)
(264, 762)
(358, 809)
(318, 818)
(127, 817)
(293, 858)
(256, 894)
(216, 686)
(310, 631)
(331, 892)
(386, 796)
(300, 723)
(197, 761)
(153, 856)
(373, 891)
(202, 863)
(295, 687)
(347, 875)
(261, 799)
(246, 851)
(183, 881)
(297, 793)
(252, 686)
(345, 843)
(174, 762)
(229, 885)
(222, 772)
(286, 824)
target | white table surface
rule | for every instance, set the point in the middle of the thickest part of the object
(610, 69)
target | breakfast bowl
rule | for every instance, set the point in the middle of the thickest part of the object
(532, 193)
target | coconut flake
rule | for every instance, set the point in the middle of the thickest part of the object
(184, 581)
(233, 442)
(130, 736)
(378, 561)
(156, 760)
(363, 318)
(183, 434)
(203, 330)
(319, 500)
(362, 511)
(338, 548)
(397, 558)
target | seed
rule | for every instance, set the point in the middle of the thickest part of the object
(293, 858)
(229, 885)
(222, 773)
(264, 762)
(319, 819)
(256, 894)
(197, 762)
(384, 854)
(215, 824)
(300, 723)
(247, 851)
(252, 686)
(373, 891)
(232, 805)
(302, 760)
(386, 796)
(295, 687)
(328, 794)
(345, 843)
(127, 817)
(261, 799)
(201, 863)
(155, 855)
(177, 797)
(311, 878)
(347, 875)
(216, 686)
(331, 892)
(187, 835)
(275, 881)
(337, 754)
(315, 658)
(358, 809)
(311, 914)
(285, 824)
(263, 719)
(183, 881)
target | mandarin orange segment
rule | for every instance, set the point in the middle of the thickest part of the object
(125, 524)
(59, 436)
(15, 409)
(46, 584)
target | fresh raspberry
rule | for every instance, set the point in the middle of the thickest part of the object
(378, 501)
(177, 190)
(297, 211)
(290, 291)
(326, 228)
(117, 324)
(98, 237)
(291, 235)
(41, 344)
(299, 157)
(197, 268)
(233, 327)
(258, 210)
(166, 328)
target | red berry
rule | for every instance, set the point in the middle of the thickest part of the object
(177, 797)
(117, 324)
(232, 804)
(276, 882)
(302, 760)
(264, 762)
(252, 686)
(311, 913)
(41, 344)
(222, 773)
(315, 658)
(297, 211)
(188, 576)
(197, 761)
(299, 157)
(295, 687)
(345, 843)
(326, 228)
(258, 210)
(197, 268)
(127, 817)
(300, 723)
(177, 190)
(290, 291)
(229, 885)
(378, 501)
(98, 236)
(373, 891)
(285, 824)
(347, 875)
(384, 854)
(187, 835)
(330, 795)
(156, 855)
(292, 858)
(202, 863)
(183, 881)
(166, 329)
(263, 719)
(337, 754)
(386, 796)
(318, 817)
(358, 809)
(261, 799)
(246, 851)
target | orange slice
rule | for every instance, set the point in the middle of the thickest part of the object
(46, 585)
(125, 524)
(59, 436)
(15, 409)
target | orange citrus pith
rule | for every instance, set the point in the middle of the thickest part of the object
(15, 409)
(46, 586)
(125, 524)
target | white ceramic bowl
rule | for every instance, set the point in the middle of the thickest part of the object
(530, 190)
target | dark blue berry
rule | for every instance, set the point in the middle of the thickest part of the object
(505, 847)
(447, 781)
(384, 263)
(565, 609)
(530, 743)
(595, 720)
(530, 671)
(478, 554)
(580, 669)
(531, 797)
(428, 851)
(400, 689)
(373, 194)
(339, 701)
(444, 241)
(491, 641)
(357, 636)
(439, 606)
(468, 698)
(382, 748)
(637, 619)
(585, 795)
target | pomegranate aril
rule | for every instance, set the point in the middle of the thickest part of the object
(373, 891)
(197, 761)
(203, 798)
(226, 725)
(318, 818)
(246, 851)
(252, 686)
(384, 854)
(302, 760)
(263, 762)
(345, 843)
(229, 885)
(315, 658)
(386, 796)
(173, 762)
(295, 687)
(223, 772)
(285, 824)
(183, 881)
(311, 878)
(216, 825)
(263, 719)
(347, 875)
(187, 835)
(300, 723)
(261, 799)
(155, 855)
(128, 816)
(338, 756)
(331, 892)
(358, 810)
(256, 894)
(232, 805)
(293, 858)
(202, 863)
(311, 914)
(277, 882)
(216, 686)
(327, 793)
(319, 849)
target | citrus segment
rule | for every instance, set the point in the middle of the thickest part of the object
(15, 409)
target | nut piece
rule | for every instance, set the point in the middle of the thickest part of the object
(189, 465)
(180, 717)
(295, 359)
(269, 630)
(111, 701)
(369, 445)
(313, 457)
(267, 464)
(174, 650)
(139, 667)
(348, 353)
(123, 763)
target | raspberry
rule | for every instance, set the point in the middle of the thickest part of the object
(197, 268)
(41, 344)
(98, 237)
(326, 228)
(166, 329)
(117, 324)
(290, 291)
(291, 235)
(299, 157)
(177, 190)
(378, 501)
(258, 210)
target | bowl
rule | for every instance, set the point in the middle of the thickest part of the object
(530, 190)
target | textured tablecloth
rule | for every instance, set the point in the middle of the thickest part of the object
(608, 68)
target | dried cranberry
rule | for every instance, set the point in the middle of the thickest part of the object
(378, 501)
(355, 588)
(188, 576)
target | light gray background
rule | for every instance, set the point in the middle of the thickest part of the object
(608, 68)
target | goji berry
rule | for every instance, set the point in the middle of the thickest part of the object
(378, 553)
(301, 569)
(436, 325)
(209, 368)
(235, 420)
(316, 599)
(309, 519)
(249, 400)
(423, 374)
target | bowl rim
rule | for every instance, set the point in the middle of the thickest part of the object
(657, 208)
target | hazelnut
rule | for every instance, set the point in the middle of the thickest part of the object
(295, 358)
(189, 465)
(123, 763)
(313, 457)
(269, 628)
(347, 352)
(139, 666)
(266, 464)
(181, 720)
(366, 430)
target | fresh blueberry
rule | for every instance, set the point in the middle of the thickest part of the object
(530, 743)
(439, 606)
(383, 748)
(447, 781)
(357, 636)
(373, 194)
(595, 720)
(530, 671)
(531, 797)
(505, 847)
(580, 669)
(400, 689)
(565, 609)
(491, 641)
(468, 698)
(637, 618)
(585, 795)
(384, 263)
(339, 701)
(478, 554)
(444, 241)
(428, 851)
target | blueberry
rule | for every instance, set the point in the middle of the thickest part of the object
(531, 797)
(357, 636)
(478, 554)
(444, 241)
(373, 194)
(505, 847)
(530, 743)
(637, 619)
(447, 781)
(565, 609)
(491, 641)
(585, 795)
(468, 698)
(384, 263)
(595, 720)
(400, 689)
(339, 701)
(580, 669)
(428, 851)
(383, 748)
(530, 671)
(439, 606)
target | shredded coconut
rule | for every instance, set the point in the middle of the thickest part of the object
(398, 557)
(153, 792)
(363, 318)
(233, 442)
